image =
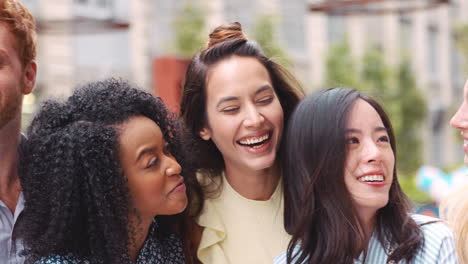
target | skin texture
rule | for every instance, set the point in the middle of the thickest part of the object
(242, 104)
(14, 80)
(368, 153)
(152, 172)
(460, 121)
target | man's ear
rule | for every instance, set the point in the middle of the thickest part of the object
(205, 133)
(29, 77)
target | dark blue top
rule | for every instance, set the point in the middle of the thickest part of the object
(167, 250)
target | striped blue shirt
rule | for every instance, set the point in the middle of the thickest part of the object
(438, 247)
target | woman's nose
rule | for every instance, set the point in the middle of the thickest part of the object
(253, 117)
(372, 153)
(460, 119)
(173, 167)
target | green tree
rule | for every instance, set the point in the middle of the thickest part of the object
(461, 40)
(377, 75)
(188, 26)
(264, 33)
(413, 109)
(341, 68)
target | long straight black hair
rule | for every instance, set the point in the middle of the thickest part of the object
(319, 210)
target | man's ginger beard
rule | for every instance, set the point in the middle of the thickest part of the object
(9, 109)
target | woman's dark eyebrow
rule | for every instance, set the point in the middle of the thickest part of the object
(233, 98)
(263, 88)
(355, 130)
(377, 129)
(226, 99)
(352, 130)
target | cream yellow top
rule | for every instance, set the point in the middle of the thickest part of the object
(240, 230)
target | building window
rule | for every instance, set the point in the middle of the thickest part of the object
(336, 29)
(292, 26)
(457, 70)
(102, 3)
(433, 52)
(437, 136)
(241, 11)
(405, 35)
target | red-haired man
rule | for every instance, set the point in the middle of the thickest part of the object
(17, 78)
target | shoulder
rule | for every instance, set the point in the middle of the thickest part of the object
(211, 228)
(439, 245)
(172, 241)
(281, 259)
(213, 204)
(59, 259)
(433, 228)
(422, 219)
(167, 249)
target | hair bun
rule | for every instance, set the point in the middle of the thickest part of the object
(226, 32)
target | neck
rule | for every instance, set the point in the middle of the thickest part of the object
(255, 185)
(368, 217)
(139, 228)
(9, 181)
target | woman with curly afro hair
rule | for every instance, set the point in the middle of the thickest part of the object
(102, 182)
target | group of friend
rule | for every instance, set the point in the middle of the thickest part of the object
(251, 171)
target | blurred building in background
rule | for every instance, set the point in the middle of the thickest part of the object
(84, 40)
(78, 41)
(426, 36)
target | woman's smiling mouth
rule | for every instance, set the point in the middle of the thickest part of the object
(254, 142)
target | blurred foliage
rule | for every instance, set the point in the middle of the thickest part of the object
(461, 40)
(395, 88)
(341, 67)
(412, 110)
(188, 26)
(264, 33)
(408, 184)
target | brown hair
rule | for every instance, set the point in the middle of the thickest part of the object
(318, 208)
(23, 26)
(225, 32)
(226, 41)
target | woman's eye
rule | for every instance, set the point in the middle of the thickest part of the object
(230, 109)
(153, 162)
(384, 139)
(352, 140)
(265, 100)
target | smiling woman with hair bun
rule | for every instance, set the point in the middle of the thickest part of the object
(235, 103)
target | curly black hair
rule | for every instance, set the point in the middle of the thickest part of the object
(77, 199)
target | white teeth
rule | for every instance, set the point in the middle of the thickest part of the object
(254, 140)
(372, 178)
(465, 142)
